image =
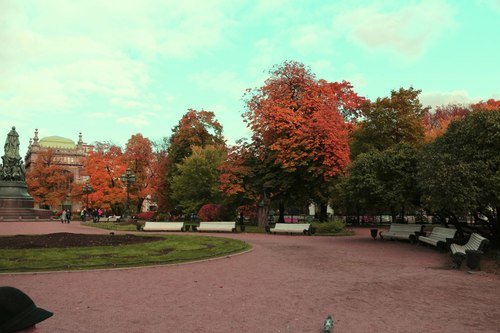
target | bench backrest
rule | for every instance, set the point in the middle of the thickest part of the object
(292, 226)
(476, 242)
(218, 224)
(410, 228)
(440, 232)
(158, 225)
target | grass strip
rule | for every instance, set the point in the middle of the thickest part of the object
(169, 249)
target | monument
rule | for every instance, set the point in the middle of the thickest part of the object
(15, 201)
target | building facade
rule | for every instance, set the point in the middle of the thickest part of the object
(67, 154)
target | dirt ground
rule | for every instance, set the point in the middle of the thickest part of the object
(66, 239)
(285, 284)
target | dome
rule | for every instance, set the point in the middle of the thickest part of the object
(57, 142)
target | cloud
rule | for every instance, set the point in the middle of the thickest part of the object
(438, 98)
(58, 56)
(407, 30)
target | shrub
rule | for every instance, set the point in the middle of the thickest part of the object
(249, 211)
(332, 227)
(146, 216)
(212, 212)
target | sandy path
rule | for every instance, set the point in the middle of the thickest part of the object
(286, 284)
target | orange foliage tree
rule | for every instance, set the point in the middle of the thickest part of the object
(139, 158)
(300, 131)
(159, 181)
(48, 183)
(437, 123)
(104, 166)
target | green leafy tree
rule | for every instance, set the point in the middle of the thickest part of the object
(197, 180)
(195, 129)
(389, 121)
(382, 181)
(459, 173)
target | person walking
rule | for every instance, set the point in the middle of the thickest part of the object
(63, 216)
(68, 216)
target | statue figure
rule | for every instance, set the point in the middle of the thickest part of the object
(11, 147)
(12, 167)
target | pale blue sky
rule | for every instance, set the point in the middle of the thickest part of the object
(111, 69)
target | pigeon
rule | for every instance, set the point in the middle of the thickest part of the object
(328, 325)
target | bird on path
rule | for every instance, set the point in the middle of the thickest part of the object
(328, 325)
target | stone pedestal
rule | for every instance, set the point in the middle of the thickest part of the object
(16, 203)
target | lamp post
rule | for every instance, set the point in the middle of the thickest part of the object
(128, 178)
(87, 189)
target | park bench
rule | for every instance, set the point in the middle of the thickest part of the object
(292, 228)
(163, 226)
(402, 231)
(476, 242)
(110, 219)
(438, 237)
(217, 226)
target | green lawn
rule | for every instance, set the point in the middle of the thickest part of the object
(169, 249)
(111, 226)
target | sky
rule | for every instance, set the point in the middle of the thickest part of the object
(112, 69)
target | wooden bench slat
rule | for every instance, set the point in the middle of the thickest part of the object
(476, 242)
(217, 226)
(297, 228)
(438, 236)
(163, 226)
(401, 231)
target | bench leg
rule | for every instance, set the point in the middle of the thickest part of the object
(441, 247)
(457, 260)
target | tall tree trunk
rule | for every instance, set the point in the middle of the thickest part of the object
(323, 212)
(281, 218)
(393, 215)
(263, 210)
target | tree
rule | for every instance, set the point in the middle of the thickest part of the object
(300, 130)
(159, 181)
(460, 171)
(437, 123)
(48, 182)
(195, 129)
(139, 157)
(389, 121)
(382, 181)
(197, 180)
(104, 166)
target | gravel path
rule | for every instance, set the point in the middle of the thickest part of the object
(286, 284)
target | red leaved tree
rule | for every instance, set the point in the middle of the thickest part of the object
(48, 182)
(139, 158)
(300, 131)
(437, 123)
(104, 166)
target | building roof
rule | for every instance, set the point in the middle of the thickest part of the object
(57, 142)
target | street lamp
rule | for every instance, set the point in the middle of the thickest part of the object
(87, 189)
(128, 178)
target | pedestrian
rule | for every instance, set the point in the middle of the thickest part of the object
(68, 216)
(82, 214)
(18, 312)
(63, 216)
